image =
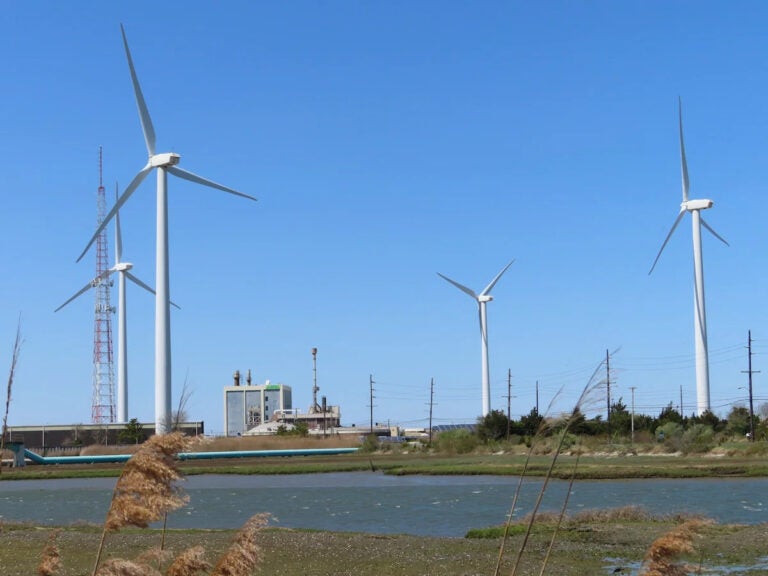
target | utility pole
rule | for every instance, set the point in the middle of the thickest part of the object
(749, 371)
(371, 383)
(608, 389)
(537, 398)
(431, 403)
(681, 403)
(509, 401)
(632, 421)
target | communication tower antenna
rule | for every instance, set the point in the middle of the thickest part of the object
(103, 402)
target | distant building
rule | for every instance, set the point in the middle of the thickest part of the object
(248, 406)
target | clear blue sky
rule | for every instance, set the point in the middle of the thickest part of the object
(388, 141)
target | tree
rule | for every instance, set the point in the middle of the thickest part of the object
(133, 433)
(530, 423)
(492, 426)
(669, 414)
(621, 419)
(738, 421)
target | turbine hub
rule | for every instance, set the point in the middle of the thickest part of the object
(691, 205)
(166, 159)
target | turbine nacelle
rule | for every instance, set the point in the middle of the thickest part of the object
(122, 267)
(165, 159)
(692, 205)
(484, 298)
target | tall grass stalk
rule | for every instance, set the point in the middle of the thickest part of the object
(543, 426)
(14, 360)
(577, 409)
(561, 516)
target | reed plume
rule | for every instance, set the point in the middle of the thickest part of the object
(189, 563)
(660, 557)
(145, 491)
(120, 567)
(50, 562)
(243, 554)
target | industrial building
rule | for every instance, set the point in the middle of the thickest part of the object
(262, 408)
(251, 405)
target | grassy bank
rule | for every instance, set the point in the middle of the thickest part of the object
(584, 548)
(590, 467)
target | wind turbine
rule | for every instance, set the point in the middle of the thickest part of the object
(122, 268)
(482, 299)
(164, 163)
(700, 314)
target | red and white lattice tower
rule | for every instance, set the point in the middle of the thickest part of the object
(103, 404)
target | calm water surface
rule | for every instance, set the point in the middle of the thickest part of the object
(375, 503)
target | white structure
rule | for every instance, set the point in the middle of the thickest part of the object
(699, 308)
(482, 299)
(122, 339)
(246, 407)
(164, 163)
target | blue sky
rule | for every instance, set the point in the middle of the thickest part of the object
(386, 142)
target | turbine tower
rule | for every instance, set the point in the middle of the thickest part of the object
(164, 163)
(122, 339)
(482, 299)
(694, 207)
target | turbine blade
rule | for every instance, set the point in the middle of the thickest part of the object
(138, 282)
(87, 287)
(459, 286)
(118, 235)
(672, 230)
(187, 175)
(128, 191)
(683, 162)
(493, 282)
(146, 121)
(712, 230)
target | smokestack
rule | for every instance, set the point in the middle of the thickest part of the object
(237, 377)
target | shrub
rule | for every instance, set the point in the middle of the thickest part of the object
(697, 439)
(458, 441)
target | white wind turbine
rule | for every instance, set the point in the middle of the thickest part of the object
(122, 354)
(164, 163)
(482, 299)
(700, 313)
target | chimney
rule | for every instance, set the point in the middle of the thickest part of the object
(248, 379)
(237, 377)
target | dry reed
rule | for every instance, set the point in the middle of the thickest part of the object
(244, 554)
(664, 551)
(584, 399)
(50, 562)
(145, 490)
(14, 360)
(121, 567)
(189, 563)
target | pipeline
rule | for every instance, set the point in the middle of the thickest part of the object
(113, 458)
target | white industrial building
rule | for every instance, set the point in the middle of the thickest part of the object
(251, 405)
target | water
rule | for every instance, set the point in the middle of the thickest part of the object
(375, 503)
